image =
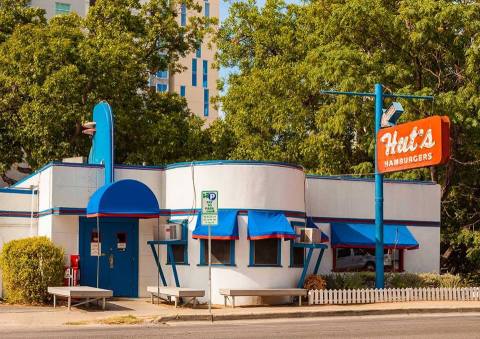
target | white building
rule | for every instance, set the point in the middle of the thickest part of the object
(52, 202)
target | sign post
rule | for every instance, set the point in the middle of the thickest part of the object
(210, 218)
(378, 95)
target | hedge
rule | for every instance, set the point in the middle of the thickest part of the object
(360, 280)
(29, 266)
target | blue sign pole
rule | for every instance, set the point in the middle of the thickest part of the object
(379, 269)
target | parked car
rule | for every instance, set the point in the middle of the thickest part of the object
(357, 259)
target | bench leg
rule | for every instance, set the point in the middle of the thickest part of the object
(225, 300)
(233, 301)
(103, 303)
(54, 301)
(69, 303)
(176, 302)
(151, 299)
(194, 302)
(300, 300)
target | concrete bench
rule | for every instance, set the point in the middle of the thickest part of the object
(79, 292)
(177, 293)
(265, 292)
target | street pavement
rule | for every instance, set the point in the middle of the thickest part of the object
(465, 325)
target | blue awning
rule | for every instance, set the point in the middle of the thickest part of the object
(363, 235)
(265, 225)
(227, 228)
(123, 198)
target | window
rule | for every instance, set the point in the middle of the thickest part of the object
(265, 252)
(162, 74)
(207, 9)
(223, 252)
(198, 53)
(205, 74)
(62, 8)
(182, 91)
(183, 15)
(162, 88)
(194, 72)
(363, 259)
(180, 251)
(206, 102)
(297, 255)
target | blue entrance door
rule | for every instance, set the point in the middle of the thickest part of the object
(117, 264)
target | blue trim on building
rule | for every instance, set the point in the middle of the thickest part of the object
(233, 162)
(18, 191)
(350, 178)
(372, 221)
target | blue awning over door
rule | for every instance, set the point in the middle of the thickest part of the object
(363, 235)
(227, 228)
(123, 198)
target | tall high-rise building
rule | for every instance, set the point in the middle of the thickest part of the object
(197, 83)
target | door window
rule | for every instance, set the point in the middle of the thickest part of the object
(121, 241)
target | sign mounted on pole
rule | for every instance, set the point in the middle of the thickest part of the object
(415, 144)
(210, 208)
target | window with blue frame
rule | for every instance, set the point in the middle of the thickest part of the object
(206, 102)
(266, 252)
(194, 72)
(198, 52)
(223, 252)
(162, 88)
(162, 74)
(207, 9)
(297, 254)
(205, 74)
(183, 15)
(182, 91)
(62, 8)
(180, 251)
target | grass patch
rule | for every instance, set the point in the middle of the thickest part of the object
(121, 320)
(81, 322)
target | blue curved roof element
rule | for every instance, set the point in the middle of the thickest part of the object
(124, 198)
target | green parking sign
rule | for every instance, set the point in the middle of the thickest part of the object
(210, 208)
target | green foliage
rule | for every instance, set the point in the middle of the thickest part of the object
(360, 280)
(284, 54)
(53, 73)
(405, 280)
(29, 266)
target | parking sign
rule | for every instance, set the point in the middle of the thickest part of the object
(210, 208)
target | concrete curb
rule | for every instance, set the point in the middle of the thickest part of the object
(310, 314)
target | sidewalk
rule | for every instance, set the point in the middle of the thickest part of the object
(28, 317)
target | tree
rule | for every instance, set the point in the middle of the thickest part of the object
(53, 73)
(285, 54)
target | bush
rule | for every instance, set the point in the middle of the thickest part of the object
(29, 266)
(361, 280)
(314, 282)
(403, 280)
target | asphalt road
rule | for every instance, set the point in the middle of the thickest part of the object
(411, 326)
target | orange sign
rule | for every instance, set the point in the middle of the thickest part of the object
(420, 143)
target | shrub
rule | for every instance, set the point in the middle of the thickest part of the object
(314, 282)
(29, 266)
(450, 280)
(404, 280)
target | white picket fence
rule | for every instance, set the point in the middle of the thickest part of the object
(367, 296)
